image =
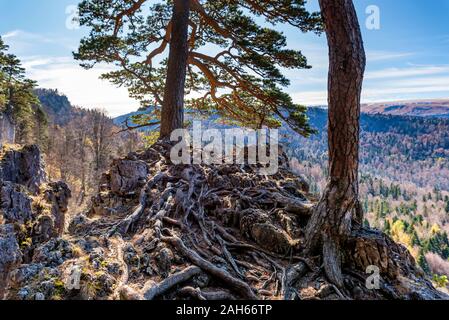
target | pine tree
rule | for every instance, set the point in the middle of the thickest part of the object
(241, 81)
(387, 226)
(3, 83)
(415, 239)
(422, 262)
(339, 211)
(41, 128)
(438, 243)
(19, 102)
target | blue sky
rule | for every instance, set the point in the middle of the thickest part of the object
(408, 57)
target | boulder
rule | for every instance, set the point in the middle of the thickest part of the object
(127, 176)
(10, 254)
(272, 238)
(25, 167)
(58, 195)
(14, 204)
(53, 253)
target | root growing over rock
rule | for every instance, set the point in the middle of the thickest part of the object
(209, 232)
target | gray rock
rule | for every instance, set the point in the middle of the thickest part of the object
(53, 253)
(39, 296)
(58, 194)
(10, 255)
(14, 204)
(127, 176)
(24, 293)
(29, 280)
(25, 273)
(44, 229)
(24, 167)
(47, 287)
(21, 174)
(77, 223)
(131, 256)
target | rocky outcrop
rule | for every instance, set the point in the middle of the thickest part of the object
(120, 186)
(32, 211)
(24, 167)
(15, 204)
(7, 129)
(156, 230)
(58, 194)
(127, 176)
(10, 254)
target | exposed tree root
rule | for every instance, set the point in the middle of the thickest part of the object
(198, 294)
(239, 286)
(170, 282)
(225, 232)
(123, 280)
(332, 221)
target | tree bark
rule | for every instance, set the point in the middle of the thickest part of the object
(339, 212)
(173, 105)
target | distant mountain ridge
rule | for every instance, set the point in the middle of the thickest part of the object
(409, 144)
(424, 108)
(414, 108)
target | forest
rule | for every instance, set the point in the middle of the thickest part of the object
(403, 182)
(94, 207)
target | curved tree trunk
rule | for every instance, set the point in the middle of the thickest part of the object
(173, 106)
(339, 213)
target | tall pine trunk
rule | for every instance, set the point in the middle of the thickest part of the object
(173, 105)
(339, 213)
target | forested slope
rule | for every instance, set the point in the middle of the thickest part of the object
(404, 179)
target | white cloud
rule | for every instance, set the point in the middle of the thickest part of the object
(380, 93)
(398, 89)
(23, 42)
(373, 56)
(82, 87)
(38, 61)
(442, 81)
(406, 72)
(23, 35)
(310, 98)
(11, 34)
